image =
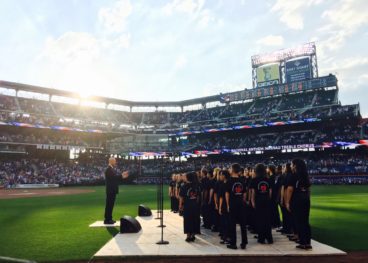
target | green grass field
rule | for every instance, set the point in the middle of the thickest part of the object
(56, 228)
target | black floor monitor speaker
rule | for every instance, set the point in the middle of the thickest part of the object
(129, 224)
(144, 211)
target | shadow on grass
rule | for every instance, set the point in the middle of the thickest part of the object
(339, 209)
(112, 230)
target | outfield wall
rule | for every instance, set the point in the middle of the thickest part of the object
(33, 186)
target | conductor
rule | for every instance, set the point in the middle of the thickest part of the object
(112, 188)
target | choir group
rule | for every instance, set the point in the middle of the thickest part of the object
(251, 197)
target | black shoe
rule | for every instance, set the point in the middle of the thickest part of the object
(109, 222)
(305, 247)
(243, 246)
(188, 239)
(232, 246)
(261, 241)
(192, 238)
(255, 236)
(224, 242)
(293, 239)
(270, 241)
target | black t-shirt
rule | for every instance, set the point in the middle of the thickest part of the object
(221, 189)
(217, 187)
(212, 184)
(287, 179)
(300, 186)
(249, 182)
(182, 184)
(222, 186)
(262, 187)
(272, 181)
(190, 192)
(276, 187)
(246, 182)
(172, 184)
(236, 189)
(205, 184)
(282, 180)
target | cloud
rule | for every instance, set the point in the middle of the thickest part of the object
(71, 47)
(80, 62)
(271, 40)
(120, 42)
(114, 18)
(194, 8)
(205, 17)
(342, 21)
(180, 62)
(183, 6)
(291, 11)
(348, 64)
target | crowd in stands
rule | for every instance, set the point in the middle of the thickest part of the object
(333, 169)
(288, 107)
(347, 133)
(52, 138)
(36, 171)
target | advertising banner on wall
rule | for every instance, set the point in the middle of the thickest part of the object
(268, 75)
(297, 70)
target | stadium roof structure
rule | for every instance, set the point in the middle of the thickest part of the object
(246, 94)
(57, 92)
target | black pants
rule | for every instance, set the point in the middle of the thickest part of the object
(192, 219)
(275, 215)
(301, 211)
(224, 224)
(174, 203)
(206, 215)
(214, 216)
(110, 201)
(286, 220)
(263, 220)
(251, 218)
(237, 216)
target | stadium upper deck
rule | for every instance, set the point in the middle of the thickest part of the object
(317, 98)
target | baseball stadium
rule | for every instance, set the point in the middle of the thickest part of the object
(273, 171)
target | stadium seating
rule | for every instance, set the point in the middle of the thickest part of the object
(288, 107)
(42, 128)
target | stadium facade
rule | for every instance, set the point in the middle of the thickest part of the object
(290, 110)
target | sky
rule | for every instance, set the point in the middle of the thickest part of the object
(174, 50)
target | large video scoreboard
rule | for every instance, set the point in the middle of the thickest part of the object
(285, 66)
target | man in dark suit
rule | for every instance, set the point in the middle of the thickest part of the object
(112, 188)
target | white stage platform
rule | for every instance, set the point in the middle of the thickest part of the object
(101, 224)
(207, 244)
